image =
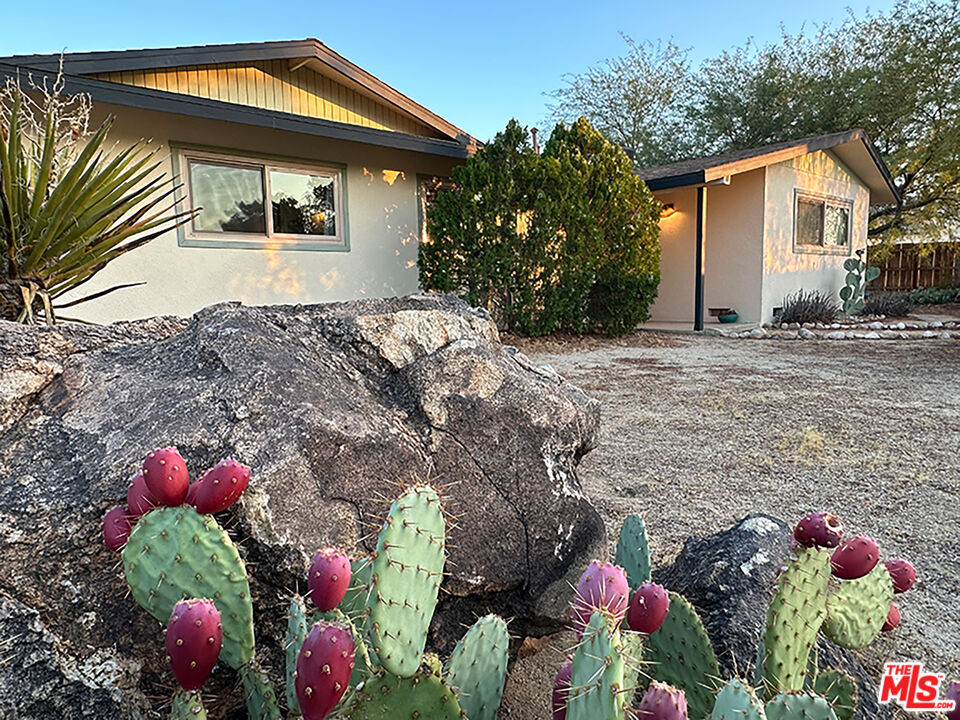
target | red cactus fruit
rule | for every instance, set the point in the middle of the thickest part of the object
(953, 693)
(329, 578)
(855, 557)
(662, 702)
(165, 473)
(219, 487)
(323, 669)
(115, 527)
(561, 689)
(648, 608)
(140, 501)
(902, 573)
(601, 587)
(194, 636)
(893, 619)
(819, 529)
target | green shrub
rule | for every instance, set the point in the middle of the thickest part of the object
(809, 306)
(885, 303)
(564, 241)
(933, 296)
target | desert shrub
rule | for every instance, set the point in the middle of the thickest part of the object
(809, 306)
(885, 303)
(567, 240)
(933, 296)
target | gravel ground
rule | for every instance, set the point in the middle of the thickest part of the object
(699, 431)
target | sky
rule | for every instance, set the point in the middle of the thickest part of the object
(476, 65)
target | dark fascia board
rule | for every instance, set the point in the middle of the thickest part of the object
(676, 181)
(155, 58)
(158, 100)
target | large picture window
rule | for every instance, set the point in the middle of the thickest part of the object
(821, 224)
(250, 203)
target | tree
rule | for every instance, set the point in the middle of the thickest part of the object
(638, 101)
(563, 241)
(896, 75)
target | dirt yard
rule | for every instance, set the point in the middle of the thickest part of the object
(699, 431)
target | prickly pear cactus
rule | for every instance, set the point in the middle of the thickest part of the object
(858, 275)
(187, 705)
(477, 668)
(293, 641)
(354, 603)
(857, 610)
(796, 613)
(633, 551)
(799, 706)
(737, 701)
(406, 571)
(682, 656)
(597, 678)
(175, 553)
(422, 695)
(259, 694)
(840, 690)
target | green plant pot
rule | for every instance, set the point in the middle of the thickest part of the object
(728, 318)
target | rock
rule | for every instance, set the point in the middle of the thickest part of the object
(758, 333)
(888, 335)
(330, 405)
(935, 324)
(789, 335)
(871, 336)
(834, 326)
(836, 335)
(928, 334)
(794, 326)
(729, 577)
(876, 326)
(901, 326)
(945, 335)
(806, 334)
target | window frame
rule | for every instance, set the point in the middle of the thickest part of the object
(824, 201)
(187, 236)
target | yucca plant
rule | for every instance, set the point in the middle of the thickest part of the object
(68, 204)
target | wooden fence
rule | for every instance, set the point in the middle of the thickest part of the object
(907, 267)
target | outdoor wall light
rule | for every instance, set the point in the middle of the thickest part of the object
(668, 210)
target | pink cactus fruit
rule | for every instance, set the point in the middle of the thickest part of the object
(819, 529)
(194, 636)
(903, 574)
(165, 473)
(893, 619)
(323, 669)
(648, 608)
(140, 501)
(953, 693)
(219, 487)
(329, 578)
(561, 689)
(601, 587)
(662, 702)
(855, 557)
(115, 527)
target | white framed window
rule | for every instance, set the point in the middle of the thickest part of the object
(821, 224)
(250, 203)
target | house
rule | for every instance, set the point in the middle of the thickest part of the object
(744, 229)
(310, 172)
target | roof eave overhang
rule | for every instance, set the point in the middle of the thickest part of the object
(161, 101)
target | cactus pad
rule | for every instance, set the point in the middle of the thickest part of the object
(596, 681)
(682, 656)
(840, 690)
(259, 694)
(405, 579)
(187, 705)
(799, 706)
(857, 610)
(477, 668)
(633, 551)
(796, 613)
(175, 553)
(296, 634)
(737, 701)
(354, 603)
(424, 695)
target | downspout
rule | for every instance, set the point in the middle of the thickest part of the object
(698, 302)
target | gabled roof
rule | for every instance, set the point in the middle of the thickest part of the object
(77, 67)
(852, 147)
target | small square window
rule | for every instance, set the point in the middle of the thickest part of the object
(249, 203)
(821, 224)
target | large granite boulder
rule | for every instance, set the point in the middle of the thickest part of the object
(729, 577)
(331, 406)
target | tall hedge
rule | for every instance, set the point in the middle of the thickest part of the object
(563, 241)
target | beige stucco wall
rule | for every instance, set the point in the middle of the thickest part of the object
(733, 250)
(784, 270)
(381, 208)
